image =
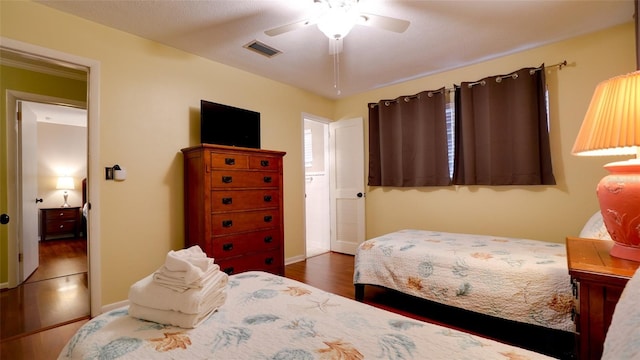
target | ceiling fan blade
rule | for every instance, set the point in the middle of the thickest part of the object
(290, 27)
(384, 22)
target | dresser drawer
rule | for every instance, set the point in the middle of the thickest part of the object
(229, 200)
(231, 223)
(234, 245)
(243, 179)
(61, 214)
(264, 163)
(229, 161)
(60, 227)
(269, 261)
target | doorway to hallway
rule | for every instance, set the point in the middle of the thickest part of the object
(317, 186)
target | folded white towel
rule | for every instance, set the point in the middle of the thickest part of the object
(185, 259)
(169, 279)
(174, 318)
(148, 293)
(186, 266)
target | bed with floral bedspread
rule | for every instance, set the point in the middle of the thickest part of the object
(521, 280)
(272, 317)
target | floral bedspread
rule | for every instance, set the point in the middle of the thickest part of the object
(516, 279)
(271, 317)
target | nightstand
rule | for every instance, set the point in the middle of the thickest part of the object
(598, 280)
(59, 221)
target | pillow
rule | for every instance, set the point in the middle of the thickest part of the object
(623, 338)
(595, 229)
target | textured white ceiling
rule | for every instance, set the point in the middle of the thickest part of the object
(443, 34)
(56, 114)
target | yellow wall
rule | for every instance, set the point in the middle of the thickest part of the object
(149, 101)
(539, 212)
(149, 109)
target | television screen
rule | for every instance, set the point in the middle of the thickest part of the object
(227, 125)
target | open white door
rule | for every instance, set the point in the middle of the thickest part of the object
(347, 185)
(28, 231)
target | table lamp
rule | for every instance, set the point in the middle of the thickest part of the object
(612, 127)
(65, 183)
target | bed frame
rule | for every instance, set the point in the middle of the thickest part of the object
(556, 343)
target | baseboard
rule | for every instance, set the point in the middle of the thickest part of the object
(4, 285)
(294, 259)
(114, 306)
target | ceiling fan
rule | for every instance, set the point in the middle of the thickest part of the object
(335, 18)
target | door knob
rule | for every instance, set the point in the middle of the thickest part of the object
(4, 219)
(359, 195)
(38, 200)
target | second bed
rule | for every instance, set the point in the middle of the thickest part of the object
(521, 280)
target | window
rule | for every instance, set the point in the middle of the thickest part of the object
(451, 128)
(308, 148)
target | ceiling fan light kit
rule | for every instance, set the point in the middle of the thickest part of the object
(338, 19)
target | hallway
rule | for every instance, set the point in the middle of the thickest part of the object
(56, 293)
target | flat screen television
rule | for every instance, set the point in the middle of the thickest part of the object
(227, 125)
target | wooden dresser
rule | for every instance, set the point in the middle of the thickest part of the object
(233, 206)
(598, 280)
(59, 221)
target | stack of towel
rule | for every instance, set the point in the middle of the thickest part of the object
(183, 292)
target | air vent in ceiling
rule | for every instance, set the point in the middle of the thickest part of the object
(262, 48)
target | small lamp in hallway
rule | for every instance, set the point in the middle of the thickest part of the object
(65, 183)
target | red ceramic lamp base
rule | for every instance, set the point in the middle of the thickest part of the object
(619, 197)
(625, 252)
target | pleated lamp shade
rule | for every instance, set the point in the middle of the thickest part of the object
(612, 123)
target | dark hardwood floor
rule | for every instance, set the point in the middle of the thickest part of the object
(333, 272)
(56, 294)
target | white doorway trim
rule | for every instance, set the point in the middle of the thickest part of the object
(317, 210)
(93, 168)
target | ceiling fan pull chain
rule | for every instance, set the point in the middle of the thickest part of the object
(336, 67)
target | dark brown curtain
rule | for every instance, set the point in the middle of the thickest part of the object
(408, 141)
(502, 135)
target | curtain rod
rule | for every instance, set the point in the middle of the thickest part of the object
(514, 75)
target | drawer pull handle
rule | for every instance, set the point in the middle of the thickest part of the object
(61, 214)
(267, 179)
(268, 239)
(227, 201)
(267, 198)
(268, 218)
(227, 223)
(228, 270)
(227, 179)
(61, 226)
(268, 260)
(230, 161)
(264, 163)
(227, 246)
